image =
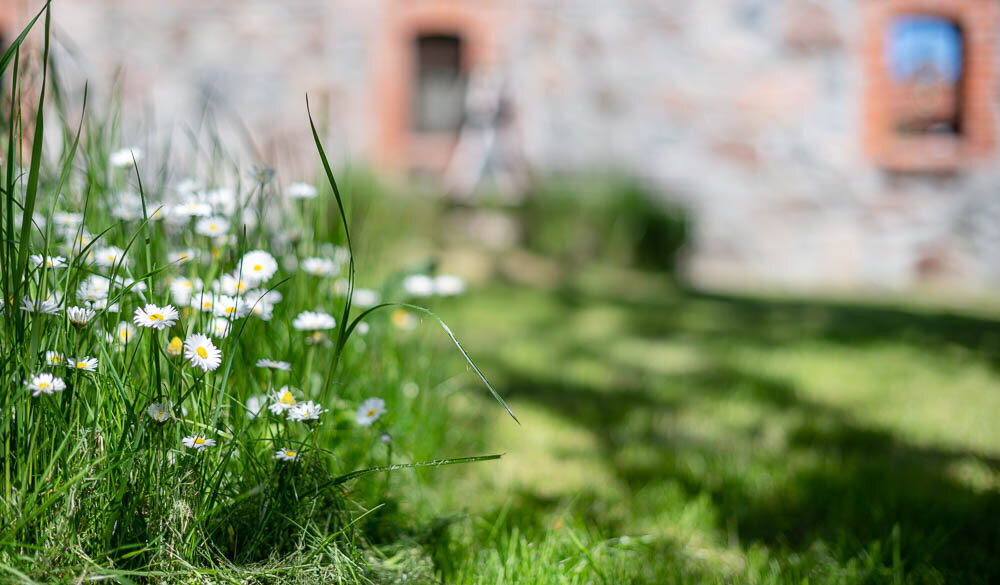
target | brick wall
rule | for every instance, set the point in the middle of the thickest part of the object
(766, 117)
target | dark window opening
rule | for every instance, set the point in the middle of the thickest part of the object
(439, 92)
(925, 61)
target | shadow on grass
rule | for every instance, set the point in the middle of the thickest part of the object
(832, 482)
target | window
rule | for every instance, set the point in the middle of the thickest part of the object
(439, 91)
(925, 62)
(930, 84)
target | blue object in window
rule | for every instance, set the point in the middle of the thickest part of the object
(925, 49)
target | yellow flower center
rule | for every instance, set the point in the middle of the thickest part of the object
(160, 414)
(55, 359)
(371, 412)
(287, 398)
(258, 267)
(202, 353)
(156, 317)
(207, 304)
(289, 453)
(43, 385)
(81, 364)
(123, 334)
(175, 345)
(187, 283)
(212, 227)
(230, 310)
(199, 441)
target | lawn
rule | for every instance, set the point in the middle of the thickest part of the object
(673, 436)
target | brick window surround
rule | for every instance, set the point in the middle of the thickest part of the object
(894, 151)
(402, 22)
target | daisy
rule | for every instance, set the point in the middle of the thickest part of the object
(281, 400)
(49, 261)
(203, 301)
(124, 332)
(231, 284)
(175, 347)
(419, 285)
(86, 363)
(305, 411)
(180, 256)
(159, 412)
(222, 199)
(448, 285)
(221, 327)
(211, 227)
(370, 411)
(48, 305)
(286, 455)
(301, 191)
(124, 157)
(53, 358)
(255, 404)
(79, 316)
(262, 310)
(274, 365)
(201, 352)
(182, 288)
(65, 219)
(313, 321)
(197, 442)
(192, 209)
(319, 266)
(258, 265)
(45, 383)
(158, 318)
(94, 288)
(362, 328)
(230, 307)
(109, 256)
(365, 297)
(102, 305)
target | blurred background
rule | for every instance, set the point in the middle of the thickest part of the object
(732, 261)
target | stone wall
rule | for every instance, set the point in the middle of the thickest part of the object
(755, 113)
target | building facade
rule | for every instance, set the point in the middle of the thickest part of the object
(818, 143)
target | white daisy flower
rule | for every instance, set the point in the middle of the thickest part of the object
(66, 219)
(124, 332)
(201, 352)
(255, 404)
(449, 285)
(271, 297)
(258, 265)
(274, 365)
(124, 156)
(197, 442)
(180, 256)
(102, 305)
(230, 284)
(110, 256)
(49, 261)
(133, 285)
(313, 321)
(304, 411)
(187, 187)
(79, 316)
(370, 411)
(230, 307)
(158, 318)
(365, 297)
(94, 288)
(263, 311)
(182, 288)
(211, 227)
(282, 399)
(53, 358)
(301, 191)
(203, 301)
(404, 320)
(286, 455)
(319, 266)
(418, 285)
(220, 327)
(159, 412)
(48, 305)
(223, 200)
(85, 363)
(362, 328)
(192, 208)
(45, 383)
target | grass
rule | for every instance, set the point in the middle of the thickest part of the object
(672, 436)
